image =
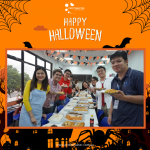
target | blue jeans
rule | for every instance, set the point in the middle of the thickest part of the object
(57, 103)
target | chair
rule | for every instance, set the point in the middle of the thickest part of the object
(59, 108)
(104, 122)
(67, 99)
(46, 120)
(15, 118)
(66, 102)
(10, 117)
(100, 116)
(100, 112)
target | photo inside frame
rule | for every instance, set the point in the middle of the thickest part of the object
(90, 82)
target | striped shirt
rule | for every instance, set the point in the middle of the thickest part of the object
(51, 98)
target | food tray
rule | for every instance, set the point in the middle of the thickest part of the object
(64, 86)
(91, 106)
(71, 104)
(68, 108)
(73, 124)
(104, 91)
(80, 111)
(83, 99)
(74, 115)
(56, 118)
(75, 98)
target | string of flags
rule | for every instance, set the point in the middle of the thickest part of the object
(55, 54)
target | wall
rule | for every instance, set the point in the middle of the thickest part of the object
(56, 64)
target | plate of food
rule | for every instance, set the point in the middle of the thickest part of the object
(68, 108)
(74, 117)
(64, 86)
(73, 124)
(81, 109)
(83, 98)
(110, 91)
(56, 118)
(60, 93)
(75, 98)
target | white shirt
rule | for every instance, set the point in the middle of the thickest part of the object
(107, 97)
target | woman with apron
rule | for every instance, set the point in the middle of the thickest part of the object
(33, 98)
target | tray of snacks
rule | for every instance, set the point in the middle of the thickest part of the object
(73, 124)
(82, 94)
(91, 106)
(110, 91)
(68, 108)
(81, 109)
(83, 103)
(71, 104)
(74, 117)
(75, 98)
(83, 99)
(61, 92)
(65, 86)
(56, 118)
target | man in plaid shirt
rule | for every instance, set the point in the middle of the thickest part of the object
(48, 106)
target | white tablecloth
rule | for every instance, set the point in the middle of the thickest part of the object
(86, 119)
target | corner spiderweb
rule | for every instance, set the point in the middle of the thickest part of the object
(140, 12)
(10, 12)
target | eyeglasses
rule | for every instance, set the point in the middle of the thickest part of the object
(68, 74)
(93, 80)
(100, 71)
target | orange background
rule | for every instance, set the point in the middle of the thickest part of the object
(107, 16)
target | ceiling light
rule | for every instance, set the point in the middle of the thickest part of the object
(68, 58)
(101, 64)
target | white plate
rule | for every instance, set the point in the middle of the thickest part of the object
(56, 118)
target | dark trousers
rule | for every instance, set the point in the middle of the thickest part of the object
(47, 110)
(57, 103)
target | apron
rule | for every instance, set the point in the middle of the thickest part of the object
(36, 99)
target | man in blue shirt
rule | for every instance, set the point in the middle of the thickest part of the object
(127, 105)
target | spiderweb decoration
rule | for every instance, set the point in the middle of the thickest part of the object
(140, 12)
(10, 12)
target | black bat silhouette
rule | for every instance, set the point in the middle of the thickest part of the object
(123, 44)
(27, 44)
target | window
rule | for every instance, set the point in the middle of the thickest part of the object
(13, 78)
(62, 143)
(40, 62)
(50, 131)
(16, 53)
(57, 143)
(29, 58)
(128, 143)
(50, 143)
(48, 65)
(16, 143)
(21, 65)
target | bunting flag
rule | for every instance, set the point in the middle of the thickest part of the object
(56, 57)
(101, 57)
(65, 61)
(63, 54)
(105, 56)
(98, 57)
(79, 57)
(69, 62)
(58, 53)
(62, 60)
(81, 63)
(108, 56)
(86, 57)
(49, 54)
(100, 62)
(66, 55)
(71, 56)
(91, 64)
(85, 50)
(88, 63)
(97, 63)
(74, 56)
(52, 56)
(104, 62)
(78, 63)
(108, 61)
(94, 63)
(94, 58)
(82, 57)
(74, 51)
(90, 58)
(75, 62)
(52, 51)
(129, 52)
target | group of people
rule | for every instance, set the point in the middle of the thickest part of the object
(124, 108)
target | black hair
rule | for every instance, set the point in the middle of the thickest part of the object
(122, 54)
(34, 80)
(83, 88)
(67, 70)
(99, 67)
(95, 78)
(57, 70)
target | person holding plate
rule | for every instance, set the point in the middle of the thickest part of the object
(53, 94)
(104, 100)
(127, 105)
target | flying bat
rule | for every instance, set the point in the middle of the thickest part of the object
(123, 44)
(27, 44)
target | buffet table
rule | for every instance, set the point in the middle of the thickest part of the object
(86, 119)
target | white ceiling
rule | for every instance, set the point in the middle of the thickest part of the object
(88, 53)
